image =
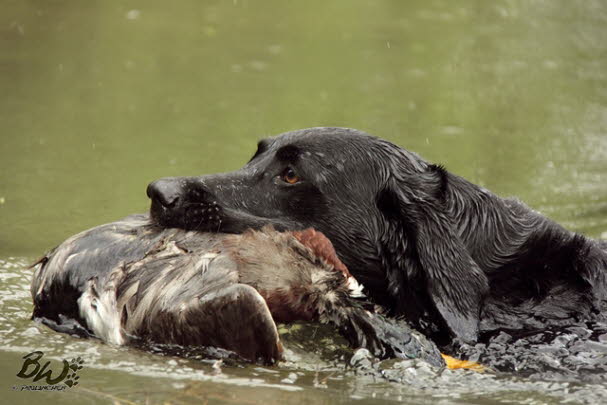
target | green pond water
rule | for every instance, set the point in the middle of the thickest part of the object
(98, 98)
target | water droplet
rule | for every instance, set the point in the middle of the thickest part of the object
(133, 14)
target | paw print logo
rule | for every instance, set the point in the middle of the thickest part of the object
(72, 378)
(76, 364)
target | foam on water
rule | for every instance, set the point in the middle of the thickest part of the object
(318, 364)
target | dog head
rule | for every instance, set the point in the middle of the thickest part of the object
(381, 206)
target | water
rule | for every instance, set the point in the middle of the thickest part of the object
(98, 99)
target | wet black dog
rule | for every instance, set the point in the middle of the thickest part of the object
(452, 257)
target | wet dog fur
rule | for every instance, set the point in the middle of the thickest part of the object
(456, 260)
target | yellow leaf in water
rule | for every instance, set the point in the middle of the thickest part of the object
(453, 364)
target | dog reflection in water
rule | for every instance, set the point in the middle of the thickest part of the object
(131, 282)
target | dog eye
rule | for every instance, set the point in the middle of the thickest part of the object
(290, 176)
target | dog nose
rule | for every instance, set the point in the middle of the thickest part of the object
(165, 191)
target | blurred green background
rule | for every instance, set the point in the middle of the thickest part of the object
(98, 98)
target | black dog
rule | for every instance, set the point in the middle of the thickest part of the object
(452, 257)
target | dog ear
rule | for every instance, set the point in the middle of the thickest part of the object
(426, 248)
